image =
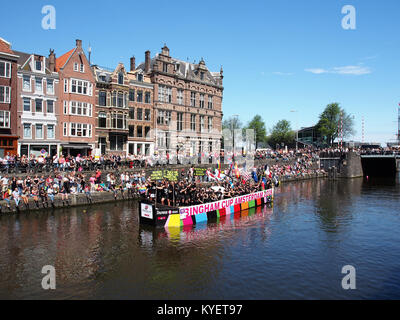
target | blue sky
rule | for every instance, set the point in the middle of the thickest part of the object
(277, 56)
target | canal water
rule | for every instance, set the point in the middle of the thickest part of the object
(295, 250)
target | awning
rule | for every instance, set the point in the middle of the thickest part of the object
(76, 146)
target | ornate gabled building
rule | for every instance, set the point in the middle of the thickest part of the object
(112, 109)
(187, 102)
(77, 99)
(8, 100)
(38, 107)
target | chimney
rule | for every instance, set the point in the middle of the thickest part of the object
(133, 64)
(78, 43)
(52, 61)
(147, 62)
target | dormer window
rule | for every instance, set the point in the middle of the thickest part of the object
(102, 78)
(140, 77)
(120, 78)
(38, 65)
(201, 75)
(165, 67)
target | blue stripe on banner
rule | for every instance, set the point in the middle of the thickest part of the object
(201, 217)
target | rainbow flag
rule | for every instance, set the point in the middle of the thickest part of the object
(219, 165)
(237, 171)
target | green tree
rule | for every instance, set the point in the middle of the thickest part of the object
(232, 123)
(330, 122)
(281, 133)
(258, 125)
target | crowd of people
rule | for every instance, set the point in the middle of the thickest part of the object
(69, 179)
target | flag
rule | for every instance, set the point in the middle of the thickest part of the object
(219, 164)
(246, 176)
(237, 173)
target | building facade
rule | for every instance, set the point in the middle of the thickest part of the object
(77, 100)
(8, 100)
(38, 107)
(141, 138)
(187, 103)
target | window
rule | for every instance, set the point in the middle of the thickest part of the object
(140, 77)
(38, 85)
(82, 69)
(131, 131)
(75, 66)
(210, 147)
(160, 117)
(5, 94)
(193, 99)
(120, 121)
(117, 143)
(140, 114)
(132, 113)
(168, 117)
(65, 107)
(38, 105)
(201, 75)
(139, 96)
(38, 65)
(179, 121)
(80, 130)
(27, 104)
(120, 78)
(27, 130)
(50, 131)
(201, 100)
(65, 85)
(26, 83)
(131, 95)
(147, 98)
(50, 86)
(4, 119)
(147, 115)
(210, 102)
(65, 129)
(81, 87)
(102, 78)
(193, 122)
(147, 132)
(210, 124)
(38, 131)
(180, 96)
(202, 123)
(165, 94)
(102, 120)
(114, 99)
(165, 67)
(50, 106)
(139, 132)
(5, 69)
(120, 99)
(80, 109)
(102, 98)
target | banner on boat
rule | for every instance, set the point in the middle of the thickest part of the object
(222, 204)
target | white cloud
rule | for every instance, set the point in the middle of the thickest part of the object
(283, 73)
(352, 70)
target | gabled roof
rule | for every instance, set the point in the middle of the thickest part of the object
(61, 61)
(5, 46)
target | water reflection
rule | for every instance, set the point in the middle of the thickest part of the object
(294, 250)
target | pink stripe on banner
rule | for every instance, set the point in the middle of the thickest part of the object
(188, 221)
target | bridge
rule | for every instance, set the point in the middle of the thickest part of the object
(354, 165)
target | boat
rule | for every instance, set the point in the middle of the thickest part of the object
(158, 215)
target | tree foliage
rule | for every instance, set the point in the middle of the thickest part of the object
(281, 133)
(330, 122)
(258, 125)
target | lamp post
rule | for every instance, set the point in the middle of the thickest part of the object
(297, 130)
(233, 124)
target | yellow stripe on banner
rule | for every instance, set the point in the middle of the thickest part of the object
(245, 205)
(174, 221)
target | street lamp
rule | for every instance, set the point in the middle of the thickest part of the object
(297, 130)
(235, 116)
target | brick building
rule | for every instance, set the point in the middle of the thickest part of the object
(141, 138)
(38, 107)
(187, 102)
(8, 100)
(77, 99)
